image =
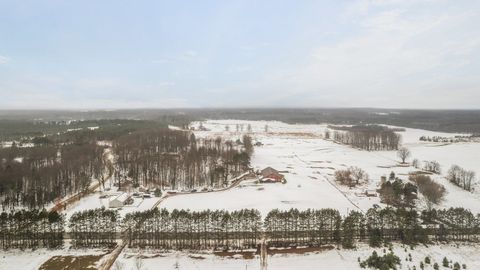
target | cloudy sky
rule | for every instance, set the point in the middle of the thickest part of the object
(239, 53)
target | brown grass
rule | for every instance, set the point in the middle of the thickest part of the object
(302, 250)
(248, 255)
(71, 262)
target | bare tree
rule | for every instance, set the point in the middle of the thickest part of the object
(358, 175)
(432, 192)
(415, 163)
(403, 153)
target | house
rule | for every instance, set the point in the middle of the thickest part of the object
(119, 201)
(371, 193)
(270, 175)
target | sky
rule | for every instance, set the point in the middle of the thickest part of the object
(110, 54)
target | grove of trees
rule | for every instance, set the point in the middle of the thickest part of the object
(461, 177)
(369, 137)
(177, 160)
(36, 176)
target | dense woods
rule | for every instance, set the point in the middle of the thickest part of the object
(177, 160)
(237, 230)
(36, 176)
(367, 137)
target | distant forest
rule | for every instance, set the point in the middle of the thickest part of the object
(435, 120)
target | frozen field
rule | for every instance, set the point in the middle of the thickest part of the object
(332, 259)
(310, 161)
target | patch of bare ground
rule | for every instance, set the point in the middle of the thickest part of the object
(142, 256)
(321, 167)
(85, 262)
(296, 134)
(196, 257)
(300, 250)
(248, 255)
(420, 173)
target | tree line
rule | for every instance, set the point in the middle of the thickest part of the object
(367, 137)
(181, 229)
(31, 229)
(176, 159)
(237, 230)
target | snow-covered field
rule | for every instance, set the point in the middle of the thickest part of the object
(310, 162)
(33, 259)
(337, 259)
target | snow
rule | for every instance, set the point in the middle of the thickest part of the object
(332, 259)
(311, 161)
(33, 259)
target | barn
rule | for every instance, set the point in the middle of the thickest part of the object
(270, 175)
(119, 201)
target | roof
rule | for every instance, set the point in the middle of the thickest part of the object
(121, 198)
(268, 171)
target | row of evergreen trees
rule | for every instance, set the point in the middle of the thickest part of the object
(31, 229)
(182, 229)
(243, 229)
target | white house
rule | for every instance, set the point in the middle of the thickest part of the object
(119, 201)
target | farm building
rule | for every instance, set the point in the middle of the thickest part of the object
(119, 201)
(270, 175)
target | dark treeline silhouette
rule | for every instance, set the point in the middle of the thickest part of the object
(243, 229)
(367, 137)
(31, 229)
(177, 160)
(182, 229)
(94, 228)
(36, 176)
(301, 228)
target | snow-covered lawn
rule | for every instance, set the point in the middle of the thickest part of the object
(337, 259)
(310, 161)
(33, 259)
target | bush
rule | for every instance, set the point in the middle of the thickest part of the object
(385, 262)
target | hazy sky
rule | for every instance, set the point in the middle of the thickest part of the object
(227, 53)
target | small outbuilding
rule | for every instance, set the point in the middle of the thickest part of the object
(371, 193)
(119, 201)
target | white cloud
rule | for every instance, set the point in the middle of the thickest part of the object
(3, 59)
(393, 58)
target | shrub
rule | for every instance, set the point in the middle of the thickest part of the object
(385, 262)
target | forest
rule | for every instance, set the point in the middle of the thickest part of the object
(36, 176)
(177, 160)
(149, 154)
